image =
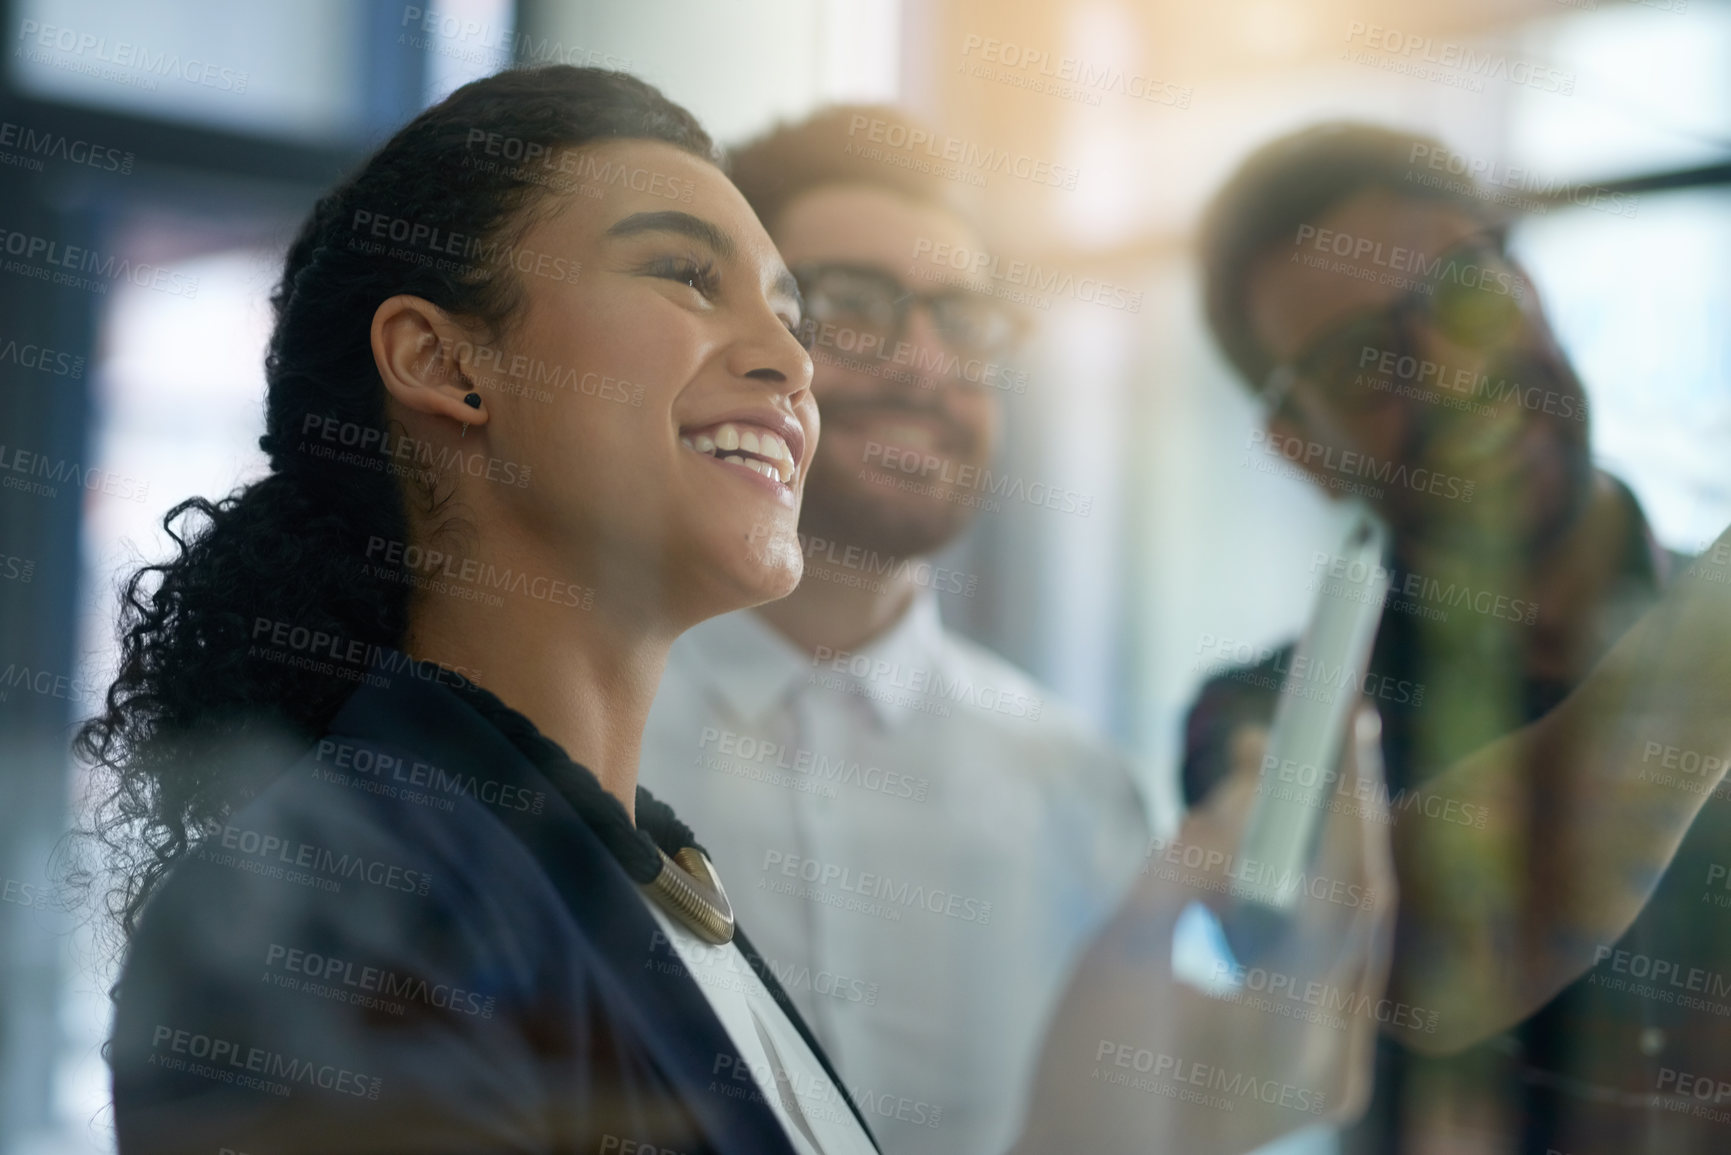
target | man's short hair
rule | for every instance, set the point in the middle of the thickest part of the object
(1294, 180)
(843, 144)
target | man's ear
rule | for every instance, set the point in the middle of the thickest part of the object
(416, 349)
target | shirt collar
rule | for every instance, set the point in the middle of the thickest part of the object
(749, 665)
(744, 661)
(913, 644)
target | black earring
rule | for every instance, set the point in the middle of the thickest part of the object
(472, 400)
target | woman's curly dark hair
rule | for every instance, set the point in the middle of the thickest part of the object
(281, 558)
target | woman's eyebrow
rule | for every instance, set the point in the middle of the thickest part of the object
(786, 286)
(683, 224)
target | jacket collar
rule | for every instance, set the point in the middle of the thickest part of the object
(583, 840)
(415, 710)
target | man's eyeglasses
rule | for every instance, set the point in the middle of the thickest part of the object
(1473, 296)
(866, 299)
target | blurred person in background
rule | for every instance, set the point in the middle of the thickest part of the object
(1365, 296)
(845, 739)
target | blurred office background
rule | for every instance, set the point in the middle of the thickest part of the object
(153, 392)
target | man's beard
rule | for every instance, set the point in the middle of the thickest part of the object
(842, 507)
(851, 510)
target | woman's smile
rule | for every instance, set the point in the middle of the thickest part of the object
(766, 449)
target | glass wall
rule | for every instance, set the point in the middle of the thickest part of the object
(1146, 541)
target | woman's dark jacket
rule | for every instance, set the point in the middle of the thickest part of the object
(425, 936)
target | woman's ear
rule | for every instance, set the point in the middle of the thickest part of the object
(416, 347)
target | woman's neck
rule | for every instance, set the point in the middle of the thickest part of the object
(585, 677)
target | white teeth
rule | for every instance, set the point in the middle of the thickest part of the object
(725, 439)
(755, 466)
(774, 446)
(686, 441)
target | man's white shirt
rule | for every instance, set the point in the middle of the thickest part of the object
(918, 840)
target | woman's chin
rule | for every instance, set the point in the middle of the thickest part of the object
(744, 582)
(773, 582)
(786, 582)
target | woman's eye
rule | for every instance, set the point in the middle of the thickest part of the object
(698, 276)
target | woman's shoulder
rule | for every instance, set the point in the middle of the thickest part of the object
(332, 942)
(334, 863)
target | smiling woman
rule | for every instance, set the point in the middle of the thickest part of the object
(367, 904)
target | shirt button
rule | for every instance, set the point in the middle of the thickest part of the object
(1652, 1041)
